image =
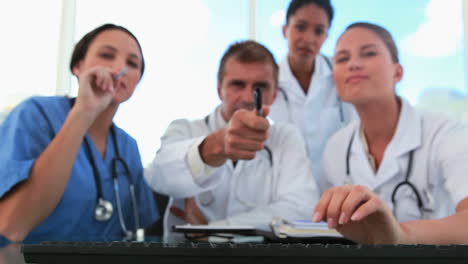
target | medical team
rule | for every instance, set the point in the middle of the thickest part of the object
(388, 174)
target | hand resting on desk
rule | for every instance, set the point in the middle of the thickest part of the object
(360, 215)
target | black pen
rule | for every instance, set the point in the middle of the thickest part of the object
(258, 99)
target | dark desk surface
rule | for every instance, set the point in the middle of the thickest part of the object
(152, 252)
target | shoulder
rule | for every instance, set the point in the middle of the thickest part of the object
(36, 110)
(437, 121)
(124, 136)
(341, 137)
(281, 133)
(35, 102)
(438, 128)
(183, 129)
(280, 129)
(327, 60)
(179, 125)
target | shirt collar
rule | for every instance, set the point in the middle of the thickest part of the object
(407, 135)
(322, 70)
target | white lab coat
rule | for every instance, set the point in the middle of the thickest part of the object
(439, 168)
(318, 114)
(251, 193)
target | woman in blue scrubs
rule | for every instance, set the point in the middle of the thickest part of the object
(67, 171)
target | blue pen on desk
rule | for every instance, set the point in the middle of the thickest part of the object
(258, 99)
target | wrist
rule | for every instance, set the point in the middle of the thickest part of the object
(405, 236)
(211, 149)
(81, 117)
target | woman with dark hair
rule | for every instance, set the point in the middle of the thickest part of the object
(401, 174)
(68, 172)
(307, 97)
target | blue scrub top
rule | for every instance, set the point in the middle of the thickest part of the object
(24, 135)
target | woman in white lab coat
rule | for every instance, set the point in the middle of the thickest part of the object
(307, 97)
(401, 174)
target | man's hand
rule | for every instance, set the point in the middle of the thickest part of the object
(242, 137)
(359, 214)
(192, 214)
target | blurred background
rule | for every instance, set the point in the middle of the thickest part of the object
(183, 41)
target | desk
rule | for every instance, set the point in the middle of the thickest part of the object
(207, 253)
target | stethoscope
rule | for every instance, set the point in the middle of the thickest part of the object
(288, 103)
(207, 198)
(104, 208)
(405, 182)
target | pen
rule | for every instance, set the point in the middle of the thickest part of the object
(258, 99)
(120, 73)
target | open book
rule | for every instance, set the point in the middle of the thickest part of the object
(302, 228)
(304, 231)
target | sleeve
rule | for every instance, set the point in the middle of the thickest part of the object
(452, 157)
(147, 204)
(296, 190)
(169, 172)
(327, 165)
(200, 170)
(24, 135)
(4, 241)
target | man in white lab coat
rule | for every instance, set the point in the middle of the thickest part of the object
(233, 167)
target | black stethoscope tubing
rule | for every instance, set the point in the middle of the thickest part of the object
(399, 185)
(103, 206)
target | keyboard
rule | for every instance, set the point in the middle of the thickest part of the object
(151, 252)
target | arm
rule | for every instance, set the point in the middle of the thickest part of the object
(170, 172)
(40, 193)
(449, 153)
(362, 216)
(450, 230)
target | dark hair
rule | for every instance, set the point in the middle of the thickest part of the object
(81, 48)
(383, 34)
(247, 52)
(297, 4)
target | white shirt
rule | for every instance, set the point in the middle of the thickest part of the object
(251, 193)
(318, 114)
(439, 169)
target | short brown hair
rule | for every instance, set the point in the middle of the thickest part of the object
(247, 52)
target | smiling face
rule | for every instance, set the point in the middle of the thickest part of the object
(115, 50)
(306, 31)
(238, 83)
(364, 68)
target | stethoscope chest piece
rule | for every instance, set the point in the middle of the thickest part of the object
(103, 210)
(206, 198)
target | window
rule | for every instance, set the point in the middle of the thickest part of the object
(182, 43)
(429, 35)
(30, 38)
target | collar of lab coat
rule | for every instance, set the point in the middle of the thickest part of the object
(216, 120)
(289, 83)
(408, 137)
